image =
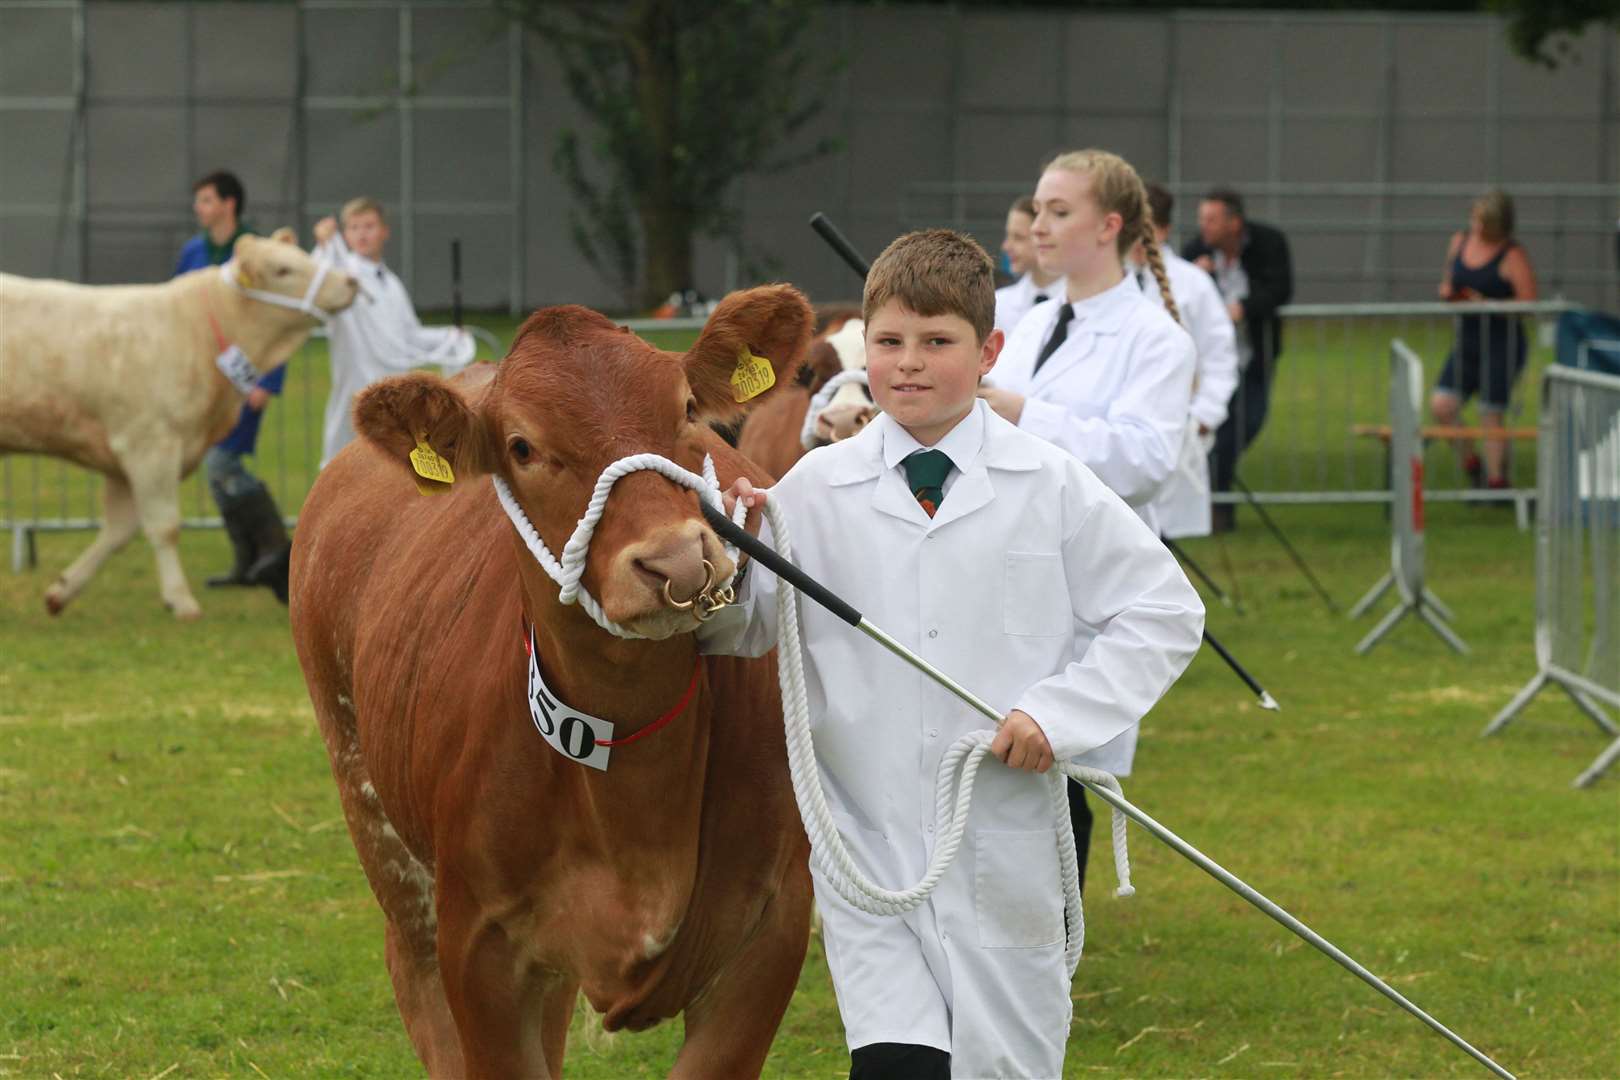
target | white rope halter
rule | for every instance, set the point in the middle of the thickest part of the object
(823, 398)
(307, 305)
(568, 571)
(953, 793)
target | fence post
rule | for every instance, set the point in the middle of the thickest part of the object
(1406, 511)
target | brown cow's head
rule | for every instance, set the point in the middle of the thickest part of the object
(577, 393)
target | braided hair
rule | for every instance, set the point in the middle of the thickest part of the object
(1119, 190)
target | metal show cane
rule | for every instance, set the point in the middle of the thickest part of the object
(826, 598)
(829, 232)
(1283, 540)
(455, 281)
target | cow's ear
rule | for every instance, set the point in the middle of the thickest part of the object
(400, 415)
(249, 265)
(285, 235)
(753, 342)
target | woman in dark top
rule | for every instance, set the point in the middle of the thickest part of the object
(1484, 263)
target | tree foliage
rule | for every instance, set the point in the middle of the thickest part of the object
(684, 98)
(1542, 31)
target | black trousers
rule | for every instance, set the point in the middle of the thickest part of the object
(899, 1061)
(1080, 816)
(1245, 416)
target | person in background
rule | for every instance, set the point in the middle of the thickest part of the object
(258, 537)
(1034, 285)
(1484, 262)
(1182, 505)
(1254, 272)
(379, 335)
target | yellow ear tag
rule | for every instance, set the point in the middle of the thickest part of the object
(753, 376)
(433, 473)
(243, 278)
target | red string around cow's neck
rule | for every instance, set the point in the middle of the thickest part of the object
(662, 721)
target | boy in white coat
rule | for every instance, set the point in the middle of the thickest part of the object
(1017, 571)
(379, 335)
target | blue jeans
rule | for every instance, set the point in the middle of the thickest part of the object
(228, 476)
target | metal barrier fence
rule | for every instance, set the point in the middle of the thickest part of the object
(1329, 381)
(1578, 552)
(1406, 512)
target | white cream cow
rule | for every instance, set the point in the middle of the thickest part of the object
(121, 379)
(844, 405)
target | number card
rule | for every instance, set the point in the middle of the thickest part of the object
(235, 366)
(752, 376)
(571, 733)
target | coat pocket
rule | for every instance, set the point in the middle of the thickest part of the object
(1035, 600)
(1017, 895)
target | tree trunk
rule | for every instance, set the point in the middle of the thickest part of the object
(666, 226)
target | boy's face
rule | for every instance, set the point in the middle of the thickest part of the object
(1020, 249)
(365, 234)
(924, 370)
(209, 208)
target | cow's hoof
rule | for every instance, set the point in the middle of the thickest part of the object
(185, 610)
(54, 603)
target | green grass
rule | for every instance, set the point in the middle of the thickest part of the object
(177, 888)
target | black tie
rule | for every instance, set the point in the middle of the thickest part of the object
(1040, 298)
(1059, 332)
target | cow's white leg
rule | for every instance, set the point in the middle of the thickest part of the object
(118, 525)
(155, 478)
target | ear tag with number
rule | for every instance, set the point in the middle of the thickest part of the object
(752, 377)
(433, 473)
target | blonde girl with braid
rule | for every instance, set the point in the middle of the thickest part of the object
(1103, 371)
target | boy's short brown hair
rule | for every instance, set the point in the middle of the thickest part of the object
(935, 272)
(365, 204)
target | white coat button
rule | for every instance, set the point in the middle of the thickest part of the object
(933, 633)
(930, 826)
(933, 733)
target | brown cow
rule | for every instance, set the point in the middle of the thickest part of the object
(513, 878)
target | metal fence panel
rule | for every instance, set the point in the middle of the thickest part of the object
(1578, 551)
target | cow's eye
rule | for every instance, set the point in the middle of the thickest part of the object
(281, 272)
(520, 450)
(691, 410)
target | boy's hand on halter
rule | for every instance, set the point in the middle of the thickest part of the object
(740, 488)
(325, 229)
(1022, 744)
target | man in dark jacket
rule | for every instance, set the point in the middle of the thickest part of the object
(1254, 273)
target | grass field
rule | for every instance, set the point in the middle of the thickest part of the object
(177, 891)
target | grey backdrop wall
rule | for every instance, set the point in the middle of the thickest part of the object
(1364, 136)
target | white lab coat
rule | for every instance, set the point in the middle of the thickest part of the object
(1038, 589)
(1014, 301)
(375, 337)
(1182, 505)
(1114, 394)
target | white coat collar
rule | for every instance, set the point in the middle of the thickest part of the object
(1105, 312)
(1000, 447)
(1099, 315)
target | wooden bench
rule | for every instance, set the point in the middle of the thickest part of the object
(1439, 431)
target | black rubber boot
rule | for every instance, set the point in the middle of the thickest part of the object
(235, 514)
(270, 539)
